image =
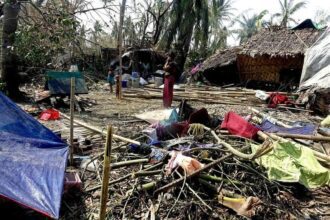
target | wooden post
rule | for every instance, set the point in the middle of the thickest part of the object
(72, 91)
(106, 173)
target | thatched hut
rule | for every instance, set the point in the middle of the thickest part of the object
(221, 68)
(275, 55)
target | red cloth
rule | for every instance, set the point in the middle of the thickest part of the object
(237, 125)
(275, 99)
(168, 91)
(49, 114)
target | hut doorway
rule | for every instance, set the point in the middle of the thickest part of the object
(289, 78)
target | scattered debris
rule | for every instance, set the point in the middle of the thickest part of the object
(195, 159)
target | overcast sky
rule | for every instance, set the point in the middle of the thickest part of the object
(241, 6)
(273, 6)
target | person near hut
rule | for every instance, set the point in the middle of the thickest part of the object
(111, 78)
(171, 72)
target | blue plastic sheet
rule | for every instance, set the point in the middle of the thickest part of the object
(59, 83)
(297, 128)
(33, 161)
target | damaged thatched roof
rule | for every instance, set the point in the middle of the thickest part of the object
(221, 58)
(277, 41)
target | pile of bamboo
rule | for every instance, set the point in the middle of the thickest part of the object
(206, 94)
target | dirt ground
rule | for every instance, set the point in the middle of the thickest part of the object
(282, 201)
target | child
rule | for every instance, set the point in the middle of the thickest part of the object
(111, 78)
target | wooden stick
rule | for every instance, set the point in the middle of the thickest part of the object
(195, 194)
(218, 179)
(306, 137)
(72, 91)
(197, 172)
(128, 162)
(106, 173)
(123, 178)
(146, 173)
(146, 186)
(98, 130)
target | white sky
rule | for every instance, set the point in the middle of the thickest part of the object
(273, 6)
(241, 6)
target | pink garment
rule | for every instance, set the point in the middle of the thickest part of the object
(188, 164)
(168, 91)
(195, 69)
(237, 125)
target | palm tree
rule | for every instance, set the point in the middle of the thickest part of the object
(288, 9)
(97, 30)
(195, 20)
(221, 11)
(249, 25)
(322, 18)
(183, 18)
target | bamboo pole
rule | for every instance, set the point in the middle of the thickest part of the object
(306, 137)
(106, 173)
(100, 131)
(125, 177)
(72, 91)
(218, 179)
(146, 186)
(128, 162)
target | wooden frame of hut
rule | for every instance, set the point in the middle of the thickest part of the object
(275, 55)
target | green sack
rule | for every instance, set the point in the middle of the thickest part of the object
(292, 162)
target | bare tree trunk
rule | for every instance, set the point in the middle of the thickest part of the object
(8, 58)
(120, 42)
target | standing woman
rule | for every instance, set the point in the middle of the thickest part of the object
(171, 72)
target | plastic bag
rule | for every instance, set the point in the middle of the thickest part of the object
(262, 95)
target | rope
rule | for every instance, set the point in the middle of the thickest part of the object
(196, 130)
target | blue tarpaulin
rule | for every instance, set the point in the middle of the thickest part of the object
(59, 83)
(32, 159)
